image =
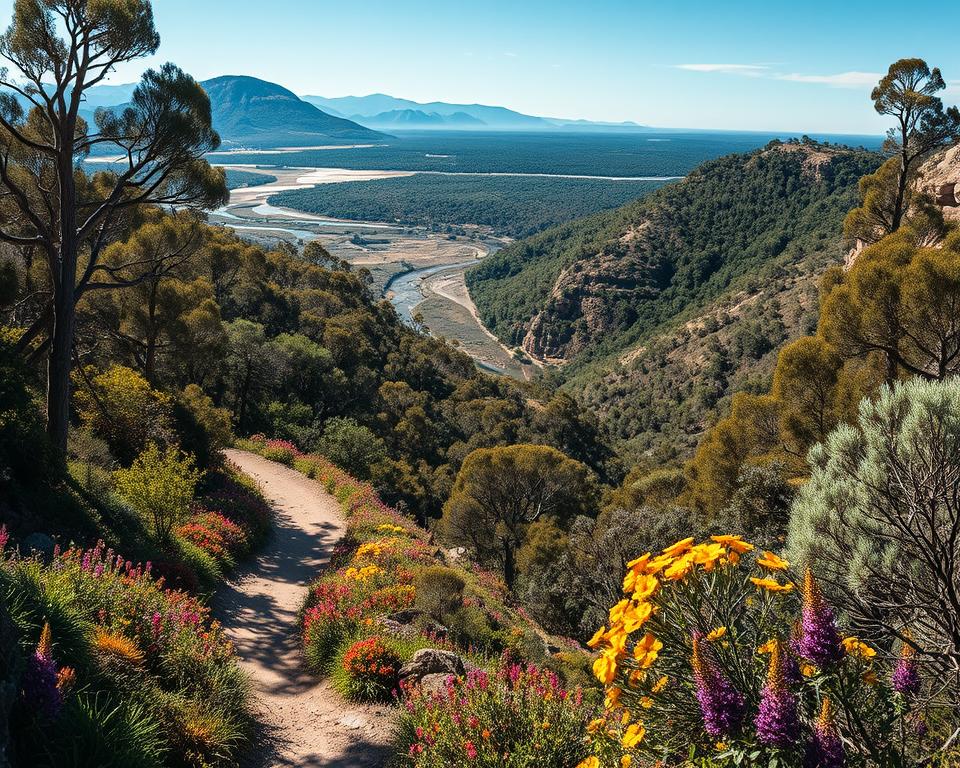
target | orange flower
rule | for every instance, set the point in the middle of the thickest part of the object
(771, 561)
(771, 585)
(679, 548)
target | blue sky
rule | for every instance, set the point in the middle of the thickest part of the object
(737, 65)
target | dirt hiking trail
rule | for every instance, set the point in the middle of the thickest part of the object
(304, 722)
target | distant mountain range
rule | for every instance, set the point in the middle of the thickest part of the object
(254, 113)
(378, 110)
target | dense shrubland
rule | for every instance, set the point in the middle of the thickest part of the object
(513, 206)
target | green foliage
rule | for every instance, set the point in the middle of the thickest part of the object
(121, 407)
(25, 455)
(499, 492)
(240, 179)
(730, 220)
(204, 430)
(155, 682)
(878, 517)
(351, 446)
(439, 591)
(100, 731)
(160, 486)
(513, 206)
(898, 301)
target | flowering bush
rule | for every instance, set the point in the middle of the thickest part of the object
(717, 656)
(372, 670)
(112, 632)
(520, 717)
(215, 534)
(282, 451)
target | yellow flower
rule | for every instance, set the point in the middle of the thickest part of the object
(595, 725)
(735, 543)
(612, 698)
(771, 585)
(598, 638)
(634, 735)
(590, 762)
(625, 719)
(660, 684)
(854, 647)
(616, 613)
(626, 761)
(646, 702)
(658, 564)
(807, 669)
(605, 667)
(771, 561)
(645, 587)
(679, 548)
(635, 617)
(546, 726)
(646, 651)
(721, 745)
(717, 634)
(707, 554)
(679, 568)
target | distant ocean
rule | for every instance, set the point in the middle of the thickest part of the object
(634, 153)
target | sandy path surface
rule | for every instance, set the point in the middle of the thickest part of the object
(305, 723)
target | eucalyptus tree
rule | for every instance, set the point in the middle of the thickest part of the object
(57, 50)
(922, 125)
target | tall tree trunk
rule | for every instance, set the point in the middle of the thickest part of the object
(64, 277)
(59, 364)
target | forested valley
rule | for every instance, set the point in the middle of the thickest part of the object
(605, 566)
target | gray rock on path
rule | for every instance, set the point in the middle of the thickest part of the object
(431, 661)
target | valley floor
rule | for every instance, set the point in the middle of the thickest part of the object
(305, 723)
(397, 257)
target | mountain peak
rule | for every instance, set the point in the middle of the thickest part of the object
(254, 112)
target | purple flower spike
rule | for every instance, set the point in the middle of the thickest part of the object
(722, 706)
(819, 640)
(825, 750)
(777, 722)
(39, 682)
(906, 676)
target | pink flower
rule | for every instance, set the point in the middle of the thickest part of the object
(470, 749)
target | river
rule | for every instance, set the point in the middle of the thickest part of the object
(406, 292)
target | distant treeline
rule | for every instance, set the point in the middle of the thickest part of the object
(239, 179)
(633, 154)
(511, 205)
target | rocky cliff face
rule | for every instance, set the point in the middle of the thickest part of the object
(722, 222)
(943, 168)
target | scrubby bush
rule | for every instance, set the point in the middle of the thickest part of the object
(880, 520)
(439, 591)
(351, 446)
(120, 406)
(203, 429)
(519, 718)
(159, 486)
